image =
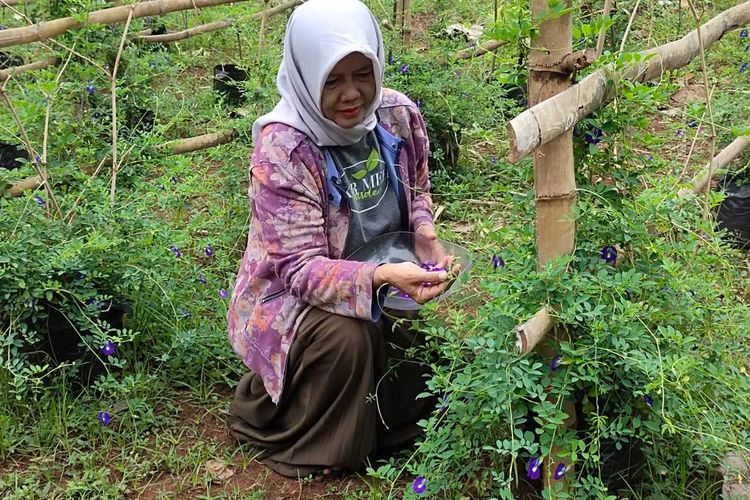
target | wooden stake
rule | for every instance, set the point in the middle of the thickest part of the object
(480, 51)
(725, 157)
(181, 35)
(7, 73)
(549, 119)
(406, 28)
(603, 32)
(17, 188)
(205, 141)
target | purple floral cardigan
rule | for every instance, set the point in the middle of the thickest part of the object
(297, 235)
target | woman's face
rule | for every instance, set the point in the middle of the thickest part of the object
(348, 90)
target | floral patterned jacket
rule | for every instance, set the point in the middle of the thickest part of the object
(298, 230)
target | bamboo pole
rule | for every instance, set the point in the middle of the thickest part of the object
(554, 173)
(145, 36)
(7, 73)
(182, 146)
(17, 188)
(491, 46)
(701, 181)
(112, 15)
(399, 23)
(603, 32)
(547, 120)
(11, 3)
(406, 29)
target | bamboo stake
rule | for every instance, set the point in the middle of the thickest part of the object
(701, 181)
(7, 73)
(181, 35)
(17, 188)
(10, 3)
(603, 32)
(549, 119)
(262, 32)
(630, 25)
(406, 28)
(399, 24)
(112, 15)
(113, 91)
(182, 146)
(554, 173)
(480, 51)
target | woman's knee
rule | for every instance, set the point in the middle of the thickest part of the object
(348, 340)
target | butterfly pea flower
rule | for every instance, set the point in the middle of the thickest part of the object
(186, 314)
(97, 115)
(39, 200)
(202, 279)
(109, 348)
(90, 89)
(209, 250)
(418, 102)
(609, 254)
(404, 69)
(534, 468)
(175, 251)
(692, 123)
(493, 159)
(560, 470)
(173, 180)
(80, 275)
(679, 133)
(104, 417)
(37, 159)
(743, 33)
(648, 400)
(743, 68)
(420, 485)
(555, 363)
(223, 294)
(594, 136)
(497, 262)
(161, 187)
(152, 64)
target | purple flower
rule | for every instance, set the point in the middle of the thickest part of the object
(175, 251)
(404, 69)
(209, 250)
(555, 363)
(679, 133)
(743, 33)
(593, 136)
(743, 68)
(692, 124)
(418, 102)
(223, 294)
(648, 400)
(420, 485)
(390, 58)
(173, 180)
(90, 89)
(609, 254)
(39, 200)
(109, 348)
(161, 186)
(560, 470)
(104, 417)
(202, 279)
(37, 159)
(534, 468)
(152, 64)
(80, 275)
(186, 314)
(96, 115)
(493, 159)
(457, 74)
(497, 262)
(444, 402)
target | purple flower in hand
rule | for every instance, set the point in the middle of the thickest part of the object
(209, 250)
(420, 485)
(109, 348)
(555, 363)
(104, 417)
(560, 470)
(223, 294)
(175, 251)
(609, 254)
(534, 468)
(497, 262)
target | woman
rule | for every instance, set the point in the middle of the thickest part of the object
(338, 161)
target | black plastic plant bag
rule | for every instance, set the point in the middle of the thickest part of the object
(734, 211)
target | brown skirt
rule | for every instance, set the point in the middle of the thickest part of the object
(350, 393)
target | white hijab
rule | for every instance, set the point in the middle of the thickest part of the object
(319, 34)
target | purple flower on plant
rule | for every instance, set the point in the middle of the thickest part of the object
(152, 64)
(90, 89)
(39, 200)
(161, 187)
(497, 262)
(104, 417)
(609, 254)
(692, 123)
(560, 470)
(534, 468)
(594, 136)
(37, 159)
(743, 68)
(109, 348)
(420, 485)
(96, 115)
(648, 400)
(457, 74)
(202, 279)
(679, 133)
(404, 69)
(186, 313)
(175, 251)
(743, 33)
(418, 102)
(80, 275)
(493, 159)
(444, 402)
(173, 180)
(223, 294)
(555, 363)
(209, 250)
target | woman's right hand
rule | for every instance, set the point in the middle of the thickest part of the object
(411, 279)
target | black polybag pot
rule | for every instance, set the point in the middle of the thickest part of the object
(10, 154)
(9, 60)
(734, 211)
(226, 83)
